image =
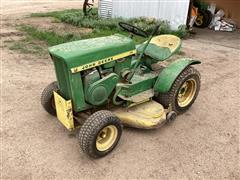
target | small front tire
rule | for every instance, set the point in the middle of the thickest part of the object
(100, 134)
(47, 99)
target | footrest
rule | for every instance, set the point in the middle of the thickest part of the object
(143, 96)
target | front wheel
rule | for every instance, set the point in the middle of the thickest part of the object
(47, 99)
(183, 92)
(100, 134)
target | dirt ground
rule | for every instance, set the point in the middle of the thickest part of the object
(201, 144)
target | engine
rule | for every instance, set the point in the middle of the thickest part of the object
(97, 88)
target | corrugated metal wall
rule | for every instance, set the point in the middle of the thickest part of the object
(174, 11)
(105, 8)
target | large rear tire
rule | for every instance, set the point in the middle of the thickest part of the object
(100, 134)
(47, 99)
(203, 19)
(210, 17)
(183, 92)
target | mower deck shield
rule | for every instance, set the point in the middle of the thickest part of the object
(148, 115)
(64, 111)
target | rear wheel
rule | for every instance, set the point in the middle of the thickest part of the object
(202, 20)
(47, 99)
(100, 134)
(210, 16)
(183, 92)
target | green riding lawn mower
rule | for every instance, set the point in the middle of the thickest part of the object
(107, 82)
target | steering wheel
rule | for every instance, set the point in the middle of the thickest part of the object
(133, 29)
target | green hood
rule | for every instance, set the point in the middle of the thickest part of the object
(82, 52)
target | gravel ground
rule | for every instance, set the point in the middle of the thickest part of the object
(201, 144)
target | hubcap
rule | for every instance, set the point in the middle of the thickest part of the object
(199, 20)
(106, 138)
(186, 93)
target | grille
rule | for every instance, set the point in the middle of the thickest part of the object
(105, 8)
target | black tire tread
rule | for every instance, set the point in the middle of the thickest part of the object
(209, 17)
(46, 98)
(205, 19)
(169, 98)
(92, 126)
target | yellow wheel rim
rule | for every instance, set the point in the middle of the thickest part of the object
(186, 92)
(106, 138)
(199, 20)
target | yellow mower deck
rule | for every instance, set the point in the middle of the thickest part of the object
(147, 115)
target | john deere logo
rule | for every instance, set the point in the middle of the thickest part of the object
(101, 62)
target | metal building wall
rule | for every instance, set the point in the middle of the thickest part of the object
(105, 8)
(174, 11)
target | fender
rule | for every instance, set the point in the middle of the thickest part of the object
(168, 75)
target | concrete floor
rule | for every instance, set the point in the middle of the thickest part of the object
(227, 39)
